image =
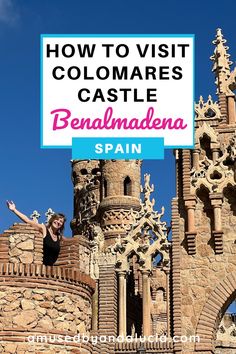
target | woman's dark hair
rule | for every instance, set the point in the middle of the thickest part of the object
(56, 216)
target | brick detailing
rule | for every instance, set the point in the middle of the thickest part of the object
(191, 242)
(218, 242)
(216, 304)
(176, 293)
(15, 341)
(107, 305)
(4, 247)
(186, 172)
(155, 347)
(45, 272)
(75, 252)
(69, 253)
(223, 107)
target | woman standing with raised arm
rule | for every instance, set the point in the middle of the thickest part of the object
(52, 233)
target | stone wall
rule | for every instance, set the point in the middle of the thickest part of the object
(35, 299)
(21, 244)
(44, 309)
(201, 273)
(25, 245)
(40, 300)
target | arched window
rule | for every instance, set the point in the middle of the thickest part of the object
(127, 186)
(105, 188)
(205, 143)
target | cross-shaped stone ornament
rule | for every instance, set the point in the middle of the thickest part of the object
(35, 216)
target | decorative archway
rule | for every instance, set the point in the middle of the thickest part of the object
(218, 301)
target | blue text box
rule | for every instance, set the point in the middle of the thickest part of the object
(118, 148)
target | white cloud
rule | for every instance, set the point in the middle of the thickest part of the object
(8, 13)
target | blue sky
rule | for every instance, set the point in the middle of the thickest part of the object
(39, 179)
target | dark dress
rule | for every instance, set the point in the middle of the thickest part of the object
(51, 249)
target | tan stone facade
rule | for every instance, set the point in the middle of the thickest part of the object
(122, 274)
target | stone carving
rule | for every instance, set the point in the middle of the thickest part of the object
(97, 245)
(35, 216)
(221, 64)
(232, 80)
(146, 238)
(208, 109)
(147, 190)
(214, 175)
(210, 132)
(86, 174)
(232, 148)
(49, 213)
(118, 220)
(227, 328)
(87, 209)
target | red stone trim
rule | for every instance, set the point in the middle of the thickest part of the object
(27, 271)
(20, 335)
(69, 253)
(218, 301)
(107, 300)
(191, 242)
(218, 241)
(4, 247)
(155, 347)
(176, 292)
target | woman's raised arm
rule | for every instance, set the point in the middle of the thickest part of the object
(11, 206)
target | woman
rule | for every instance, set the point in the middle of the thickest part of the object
(52, 233)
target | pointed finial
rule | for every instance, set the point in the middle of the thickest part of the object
(221, 62)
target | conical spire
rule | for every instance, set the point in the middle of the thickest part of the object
(221, 62)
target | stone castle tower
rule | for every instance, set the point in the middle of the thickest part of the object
(121, 274)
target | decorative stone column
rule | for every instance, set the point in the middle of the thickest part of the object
(122, 303)
(146, 302)
(190, 204)
(231, 109)
(215, 154)
(196, 153)
(216, 202)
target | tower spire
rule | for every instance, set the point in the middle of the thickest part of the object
(221, 62)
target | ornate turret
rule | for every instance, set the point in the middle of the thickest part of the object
(120, 196)
(86, 176)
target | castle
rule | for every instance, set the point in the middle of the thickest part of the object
(122, 273)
